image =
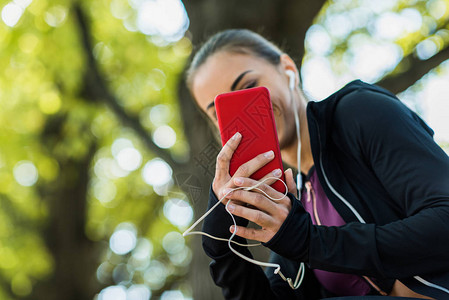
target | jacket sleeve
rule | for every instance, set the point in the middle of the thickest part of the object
(238, 278)
(413, 169)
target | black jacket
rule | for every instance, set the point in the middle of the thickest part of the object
(383, 172)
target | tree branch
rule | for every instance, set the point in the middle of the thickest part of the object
(291, 31)
(95, 88)
(418, 68)
(415, 68)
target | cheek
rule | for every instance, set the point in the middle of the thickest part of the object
(278, 110)
(280, 123)
(283, 118)
(212, 118)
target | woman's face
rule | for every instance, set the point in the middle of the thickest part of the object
(226, 71)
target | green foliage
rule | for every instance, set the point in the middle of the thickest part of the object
(351, 24)
(47, 120)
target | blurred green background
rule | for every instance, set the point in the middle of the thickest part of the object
(105, 161)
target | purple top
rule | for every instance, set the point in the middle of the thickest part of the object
(322, 212)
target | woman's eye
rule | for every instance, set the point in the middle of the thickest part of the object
(251, 84)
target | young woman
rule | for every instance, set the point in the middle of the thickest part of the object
(374, 211)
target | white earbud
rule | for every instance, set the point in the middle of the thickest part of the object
(292, 78)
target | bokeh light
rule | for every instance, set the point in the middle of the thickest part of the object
(104, 272)
(318, 79)
(391, 26)
(436, 8)
(426, 49)
(164, 136)
(108, 168)
(50, 103)
(25, 173)
(104, 190)
(156, 79)
(124, 239)
(339, 25)
(178, 212)
(120, 144)
(120, 9)
(115, 292)
(157, 172)
(318, 40)
(362, 63)
(173, 242)
(11, 14)
(28, 43)
(437, 105)
(122, 274)
(165, 18)
(172, 295)
(181, 258)
(55, 16)
(21, 285)
(138, 292)
(143, 249)
(156, 274)
(140, 258)
(129, 159)
(160, 114)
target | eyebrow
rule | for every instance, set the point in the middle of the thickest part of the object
(233, 86)
(237, 80)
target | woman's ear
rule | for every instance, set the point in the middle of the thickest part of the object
(287, 64)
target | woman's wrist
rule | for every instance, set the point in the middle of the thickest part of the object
(292, 238)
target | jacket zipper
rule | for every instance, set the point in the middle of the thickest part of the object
(311, 196)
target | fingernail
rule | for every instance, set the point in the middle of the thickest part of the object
(231, 207)
(232, 228)
(238, 181)
(269, 154)
(236, 136)
(277, 172)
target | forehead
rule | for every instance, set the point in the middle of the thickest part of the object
(219, 71)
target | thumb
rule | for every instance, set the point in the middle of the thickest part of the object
(290, 182)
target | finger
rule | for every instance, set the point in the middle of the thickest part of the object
(255, 200)
(227, 193)
(259, 187)
(246, 169)
(290, 181)
(270, 178)
(225, 155)
(251, 166)
(250, 233)
(254, 215)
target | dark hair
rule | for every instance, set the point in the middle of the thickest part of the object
(237, 41)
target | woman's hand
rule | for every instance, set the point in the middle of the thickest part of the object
(262, 210)
(267, 213)
(223, 181)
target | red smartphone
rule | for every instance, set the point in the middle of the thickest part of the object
(250, 112)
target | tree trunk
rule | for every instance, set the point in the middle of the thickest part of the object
(75, 256)
(283, 22)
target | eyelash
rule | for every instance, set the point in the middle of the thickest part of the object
(251, 84)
